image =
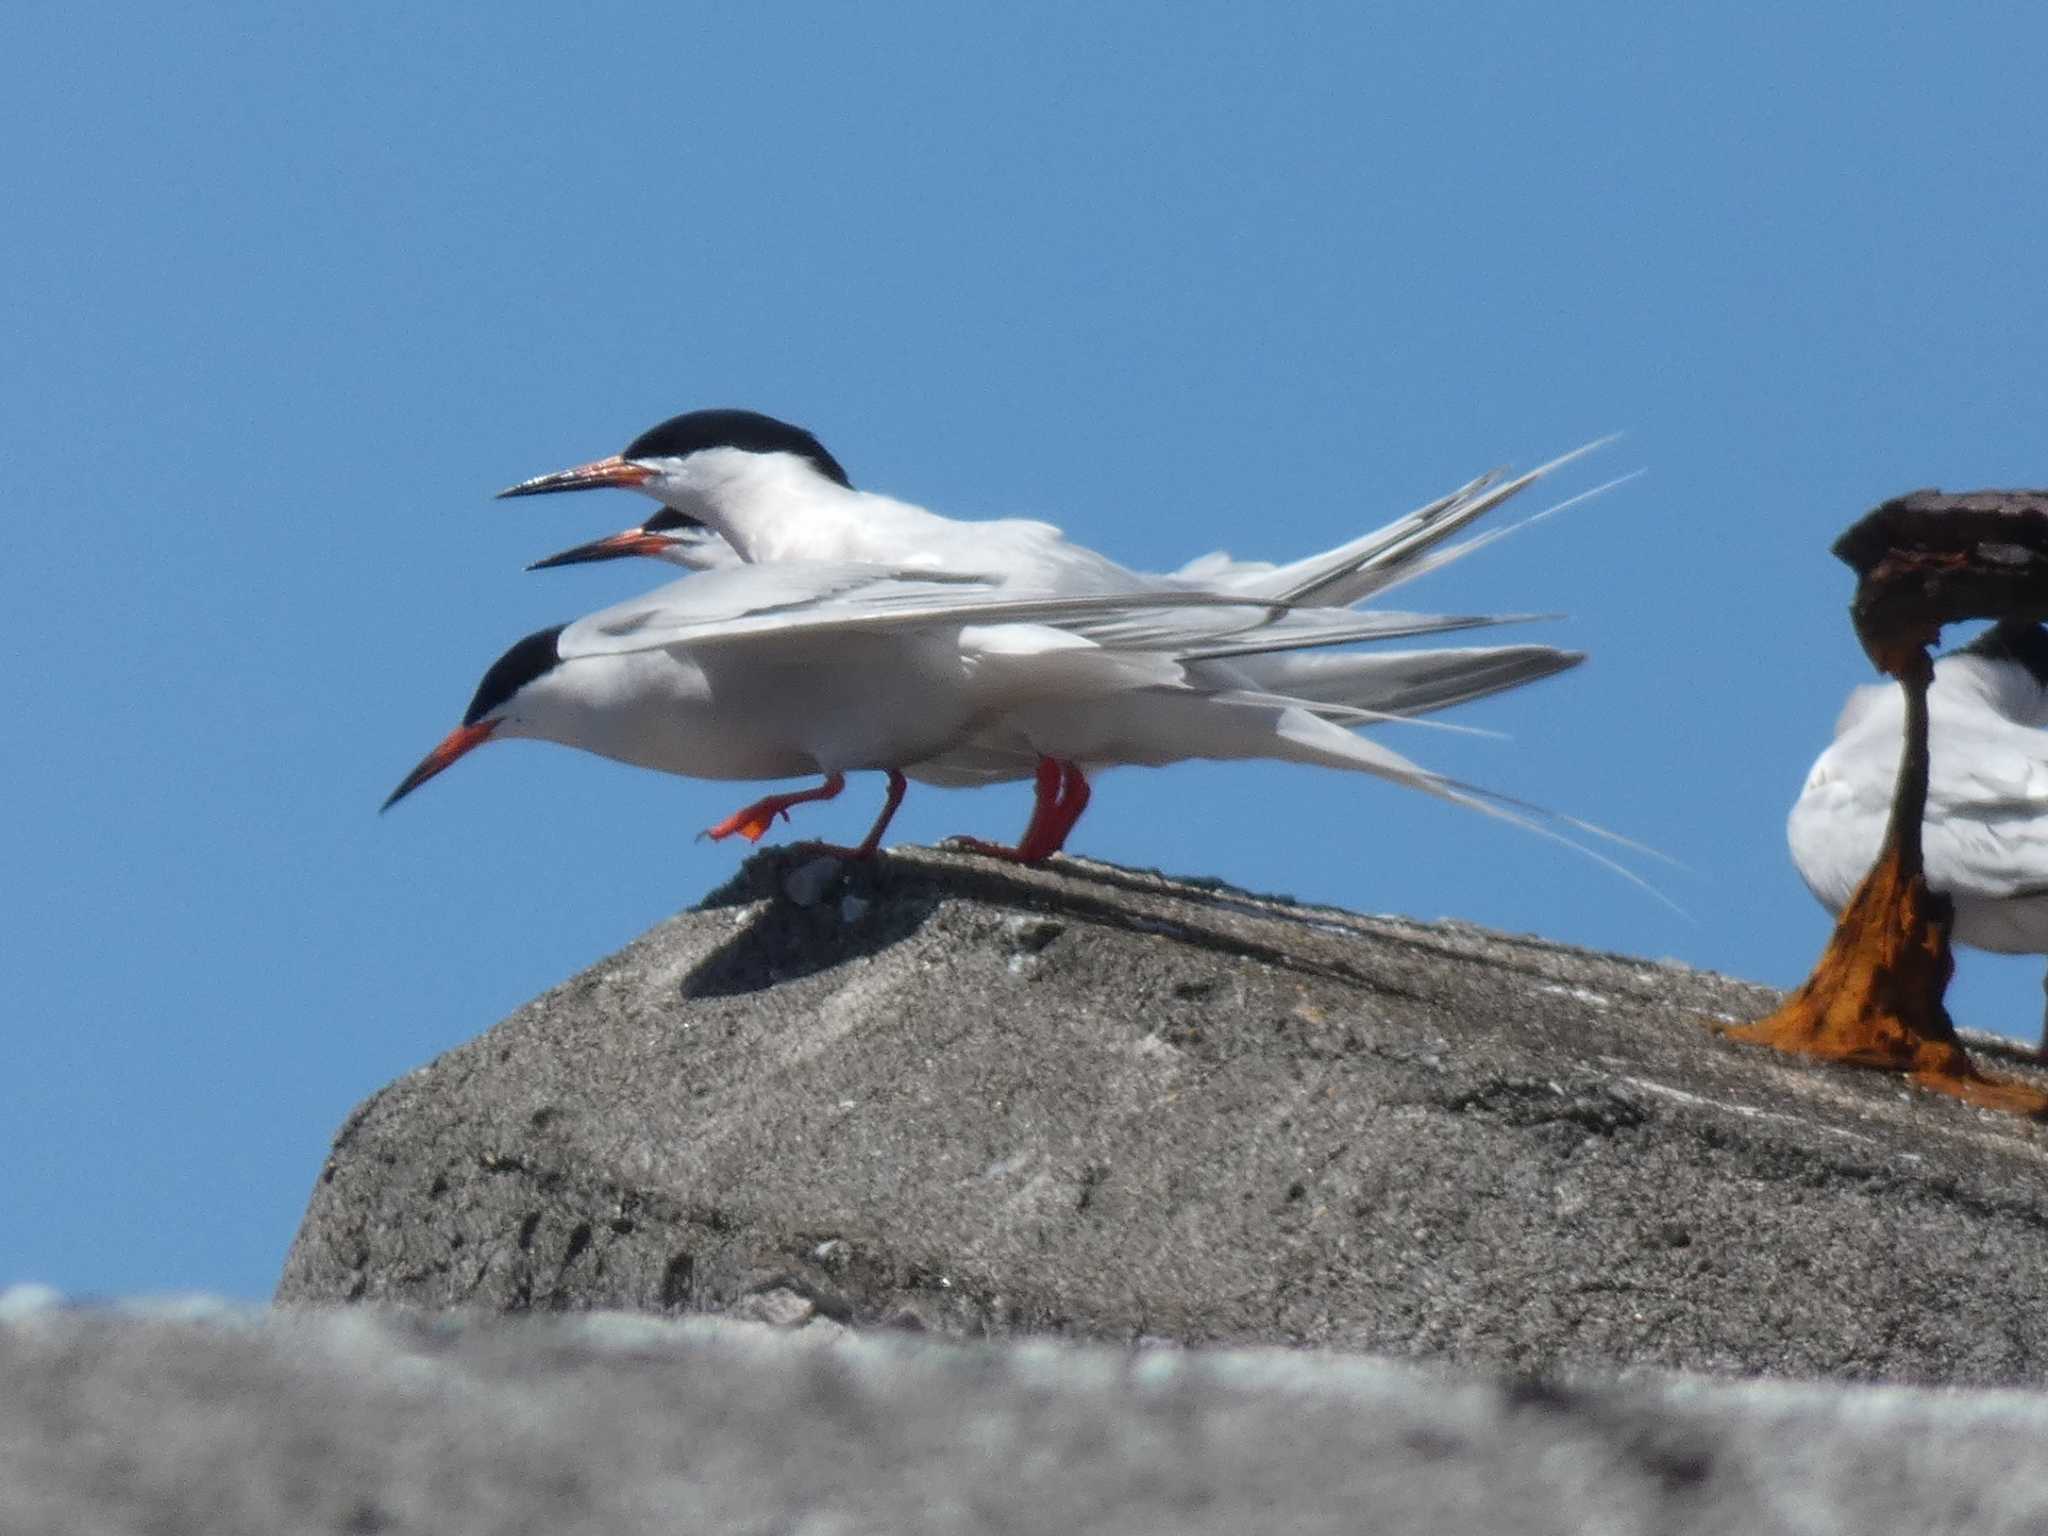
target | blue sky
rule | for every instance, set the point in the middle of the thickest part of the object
(291, 293)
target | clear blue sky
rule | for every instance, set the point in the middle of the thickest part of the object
(289, 295)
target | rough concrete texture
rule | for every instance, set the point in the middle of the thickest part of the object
(362, 1421)
(1087, 1102)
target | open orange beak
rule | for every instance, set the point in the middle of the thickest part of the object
(584, 477)
(634, 541)
(457, 743)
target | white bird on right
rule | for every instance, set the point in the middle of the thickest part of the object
(1985, 833)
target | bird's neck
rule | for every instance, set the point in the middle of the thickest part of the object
(783, 510)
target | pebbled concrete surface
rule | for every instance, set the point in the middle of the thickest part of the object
(363, 1421)
(1093, 1103)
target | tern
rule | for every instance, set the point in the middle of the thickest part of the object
(738, 485)
(773, 492)
(767, 671)
(1984, 835)
(667, 536)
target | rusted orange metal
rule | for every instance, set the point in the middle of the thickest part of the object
(1875, 998)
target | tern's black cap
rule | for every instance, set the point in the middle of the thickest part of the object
(530, 658)
(694, 431)
(2015, 640)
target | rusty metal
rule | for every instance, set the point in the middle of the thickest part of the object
(1922, 561)
(1929, 558)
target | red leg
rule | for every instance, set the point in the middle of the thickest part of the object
(1074, 794)
(897, 785)
(752, 821)
(1046, 787)
(1045, 796)
(1053, 815)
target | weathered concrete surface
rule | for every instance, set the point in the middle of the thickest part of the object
(361, 1421)
(1093, 1103)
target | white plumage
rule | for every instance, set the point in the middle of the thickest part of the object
(1985, 833)
(828, 629)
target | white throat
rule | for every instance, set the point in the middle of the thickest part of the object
(767, 506)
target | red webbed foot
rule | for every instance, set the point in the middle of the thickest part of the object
(753, 821)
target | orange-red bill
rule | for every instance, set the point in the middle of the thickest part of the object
(634, 541)
(458, 742)
(583, 477)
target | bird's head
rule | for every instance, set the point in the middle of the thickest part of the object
(669, 535)
(691, 461)
(511, 701)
